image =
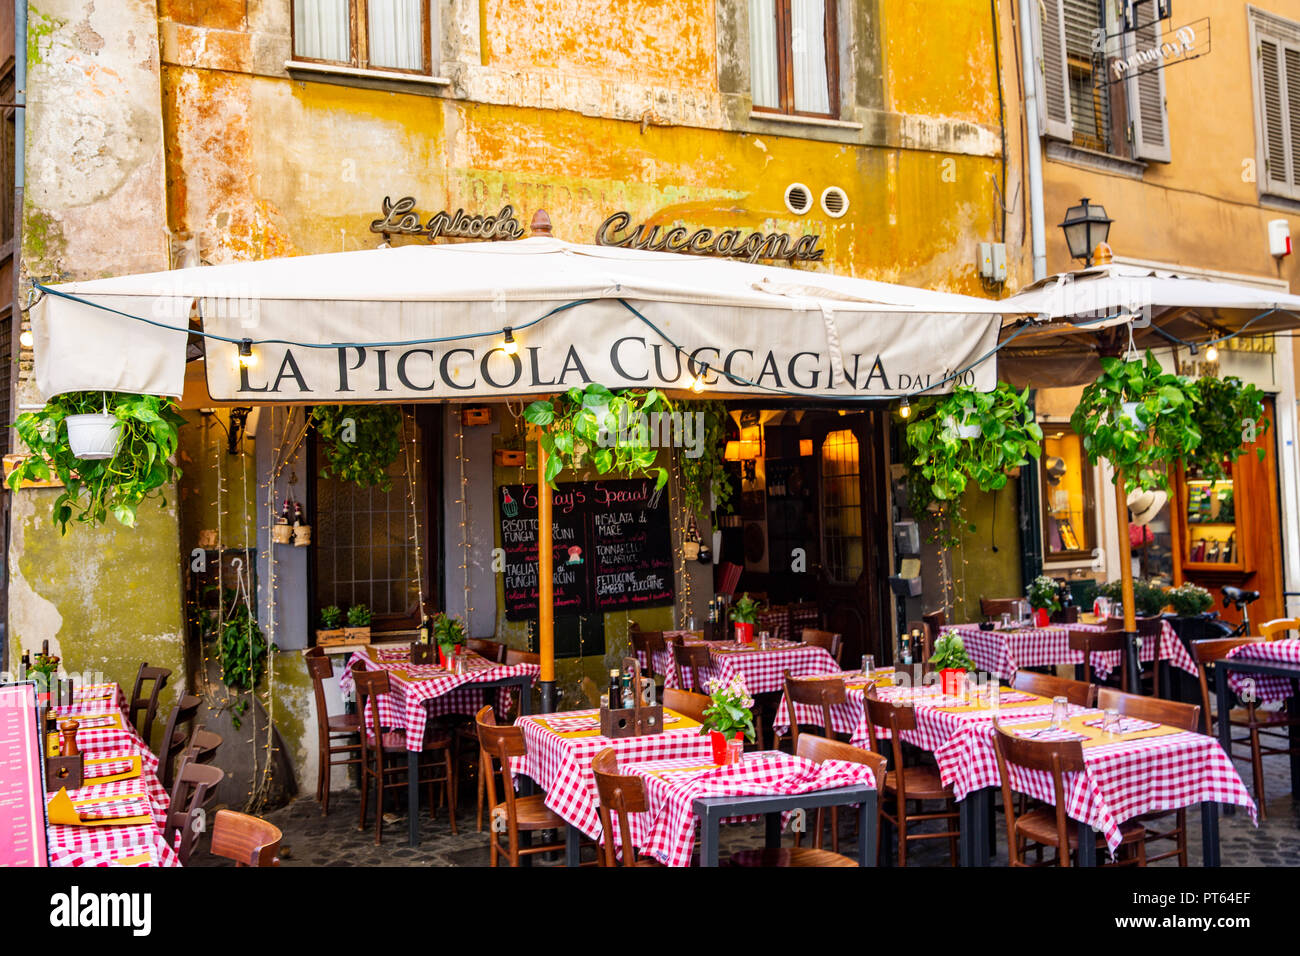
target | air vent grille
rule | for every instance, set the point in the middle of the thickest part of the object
(835, 202)
(798, 198)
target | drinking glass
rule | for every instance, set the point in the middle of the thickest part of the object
(762, 640)
(1006, 619)
(1111, 722)
(735, 750)
(691, 624)
(994, 691)
(868, 665)
(1060, 712)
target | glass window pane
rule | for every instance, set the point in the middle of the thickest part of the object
(321, 31)
(808, 46)
(841, 507)
(396, 33)
(762, 53)
(1068, 506)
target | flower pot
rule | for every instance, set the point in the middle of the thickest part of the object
(1131, 413)
(718, 741)
(281, 533)
(93, 437)
(357, 633)
(302, 536)
(953, 681)
(964, 429)
(744, 632)
(1042, 617)
(333, 635)
(691, 550)
(447, 659)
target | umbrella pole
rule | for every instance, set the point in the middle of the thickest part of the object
(545, 584)
(1126, 581)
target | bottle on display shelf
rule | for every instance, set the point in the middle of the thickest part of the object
(904, 649)
(297, 515)
(615, 691)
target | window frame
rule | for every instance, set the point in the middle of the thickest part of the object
(359, 41)
(1073, 556)
(1266, 26)
(785, 64)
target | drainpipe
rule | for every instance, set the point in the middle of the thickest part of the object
(20, 98)
(1034, 142)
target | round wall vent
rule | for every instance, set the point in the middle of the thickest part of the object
(798, 198)
(834, 201)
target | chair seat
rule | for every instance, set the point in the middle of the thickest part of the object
(782, 856)
(345, 724)
(1040, 826)
(395, 741)
(923, 783)
(1240, 717)
(532, 814)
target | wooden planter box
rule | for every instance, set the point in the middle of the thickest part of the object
(336, 635)
(510, 458)
(361, 635)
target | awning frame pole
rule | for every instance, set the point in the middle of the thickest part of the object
(1126, 582)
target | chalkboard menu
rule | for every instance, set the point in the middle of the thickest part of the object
(613, 549)
(22, 789)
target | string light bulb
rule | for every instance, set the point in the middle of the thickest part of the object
(697, 386)
(1211, 353)
(26, 339)
(246, 357)
(510, 346)
(904, 408)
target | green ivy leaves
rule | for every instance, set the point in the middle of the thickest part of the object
(359, 442)
(1227, 413)
(614, 428)
(92, 490)
(707, 472)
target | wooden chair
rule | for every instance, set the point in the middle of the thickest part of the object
(203, 746)
(1092, 642)
(334, 734)
(1049, 826)
(814, 692)
(834, 643)
(692, 656)
(993, 608)
(494, 651)
(1149, 629)
(817, 749)
(146, 704)
(248, 840)
(933, 623)
(919, 784)
(500, 745)
(1260, 725)
(424, 653)
(1278, 628)
(194, 784)
(384, 754)
(686, 703)
(514, 656)
(1045, 685)
(176, 738)
(648, 644)
(620, 794)
(1175, 714)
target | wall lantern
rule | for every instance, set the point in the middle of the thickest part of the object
(1086, 226)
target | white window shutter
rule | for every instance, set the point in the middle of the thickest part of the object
(1291, 61)
(1273, 115)
(1053, 74)
(1146, 100)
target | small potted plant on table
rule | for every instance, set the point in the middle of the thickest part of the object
(358, 623)
(1042, 593)
(330, 631)
(744, 615)
(952, 662)
(449, 633)
(729, 716)
(47, 666)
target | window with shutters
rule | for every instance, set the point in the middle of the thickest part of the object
(794, 66)
(389, 35)
(1277, 98)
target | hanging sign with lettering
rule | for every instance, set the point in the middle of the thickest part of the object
(1136, 57)
(724, 243)
(400, 219)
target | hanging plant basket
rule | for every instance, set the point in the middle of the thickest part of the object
(93, 437)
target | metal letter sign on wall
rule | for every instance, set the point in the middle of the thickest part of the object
(400, 219)
(726, 243)
(1185, 43)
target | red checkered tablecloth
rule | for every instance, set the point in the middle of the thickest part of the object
(763, 671)
(1002, 653)
(423, 690)
(93, 699)
(559, 761)
(666, 831)
(1265, 687)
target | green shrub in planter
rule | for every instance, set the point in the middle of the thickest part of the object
(1149, 599)
(1189, 599)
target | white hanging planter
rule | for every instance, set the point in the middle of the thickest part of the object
(93, 437)
(967, 429)
(1131, 413)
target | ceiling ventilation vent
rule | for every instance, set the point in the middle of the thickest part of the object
(834, 202)
(798, 198)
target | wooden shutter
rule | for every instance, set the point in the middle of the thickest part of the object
(1274, 117)
(1291, 56)
(1054, 84)
(1146, 100)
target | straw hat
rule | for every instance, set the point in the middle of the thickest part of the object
(1145, 505)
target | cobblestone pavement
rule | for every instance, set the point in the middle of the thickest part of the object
(313, 840)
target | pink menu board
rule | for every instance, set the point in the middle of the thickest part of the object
(22, 787)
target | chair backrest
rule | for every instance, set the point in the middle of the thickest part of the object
(514, 657)
(1172, 712)
(146, 703)
(203, 745)
(194, 783)
(992, 608)
(686, 703)
(248, 840)
(499, 744)
(934, 622)
(493, 651)
(693, 656)
(622, 794)
(320, 668)
(1092, 642)
(176, 738)
(1206, 653)
(820, 749)
(812, 692)
(422, 653)
(896, 718)
(369, 684)
(1045, 685)
(1150, 626)
(833, 642)
(1279, 628)
(647, 644)
(1057, 758)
